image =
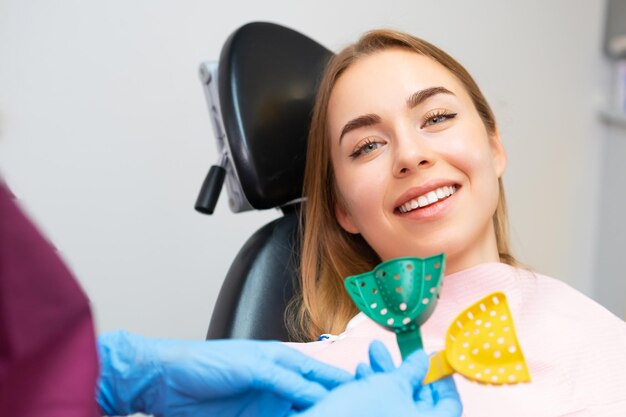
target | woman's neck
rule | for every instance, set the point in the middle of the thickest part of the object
(482, 250)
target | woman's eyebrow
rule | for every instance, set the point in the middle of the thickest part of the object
(420, 96)
(361, 121)
(371, 119)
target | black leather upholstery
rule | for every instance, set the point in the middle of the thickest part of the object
(258, 285)
(267, 80)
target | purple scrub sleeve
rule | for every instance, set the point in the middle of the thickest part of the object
(48, 362)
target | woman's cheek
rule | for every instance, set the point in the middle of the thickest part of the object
(469, 153)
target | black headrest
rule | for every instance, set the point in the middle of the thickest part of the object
(267, 79)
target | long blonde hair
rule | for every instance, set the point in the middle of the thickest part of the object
(328, 252)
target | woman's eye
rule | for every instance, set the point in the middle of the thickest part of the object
(367, 147)
(438, 118)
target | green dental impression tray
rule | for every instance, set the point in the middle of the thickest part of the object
(399, 294)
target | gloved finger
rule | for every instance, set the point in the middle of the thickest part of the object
(425, 397)
(380, 359)
(292, 386)
(446, 397)
(311, 369)
(448, 408)
(363, 370)
(415, 367)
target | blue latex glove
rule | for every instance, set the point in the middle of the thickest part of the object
(208, 378)
(381, 390)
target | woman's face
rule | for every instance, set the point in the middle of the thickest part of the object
(416, 170)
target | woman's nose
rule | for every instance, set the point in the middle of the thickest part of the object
(411, 154)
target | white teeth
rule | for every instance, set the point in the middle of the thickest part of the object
(428, 198)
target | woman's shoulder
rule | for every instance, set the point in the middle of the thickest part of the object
(571, 336)
(558, 299)
(532, 292)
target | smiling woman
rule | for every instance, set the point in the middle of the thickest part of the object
(428, 138)
(405, 159)
(376, 97)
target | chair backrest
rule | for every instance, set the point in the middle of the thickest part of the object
(267, 80)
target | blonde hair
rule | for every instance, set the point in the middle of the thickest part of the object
(329, 253)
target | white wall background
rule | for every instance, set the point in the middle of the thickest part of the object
(105, 136)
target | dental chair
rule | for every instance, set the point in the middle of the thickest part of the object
(260, 97)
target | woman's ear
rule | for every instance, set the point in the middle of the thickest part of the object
(498, 154)
(345, 219)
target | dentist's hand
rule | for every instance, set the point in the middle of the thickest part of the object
(194, 378)
(381, 390)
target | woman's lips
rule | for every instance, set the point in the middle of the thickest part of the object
(428, 198)
(433, 208)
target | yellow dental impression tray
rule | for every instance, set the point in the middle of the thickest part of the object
(482, 346)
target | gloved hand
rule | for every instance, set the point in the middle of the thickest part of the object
(198, 378)
(381, 390)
